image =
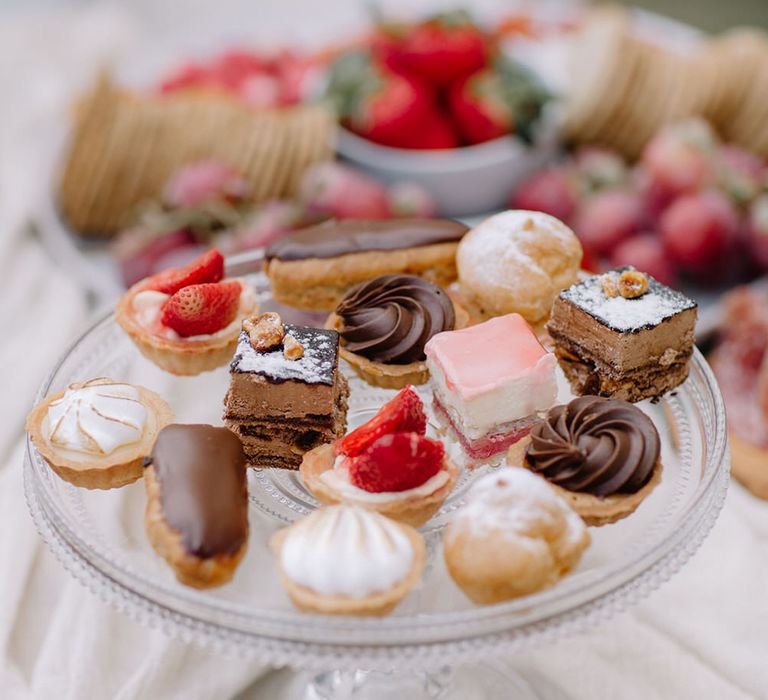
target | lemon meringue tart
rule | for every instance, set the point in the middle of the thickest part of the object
(346, 560)
(96, 434)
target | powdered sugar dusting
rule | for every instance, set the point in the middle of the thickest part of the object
(321, 351)
(520, 505)
(658, 304)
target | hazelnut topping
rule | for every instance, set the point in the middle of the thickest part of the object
(632, 284)
(292, 348)
(610, 285)
(265, 331)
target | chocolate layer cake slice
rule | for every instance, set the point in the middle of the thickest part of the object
(282, 407)
(623, 335)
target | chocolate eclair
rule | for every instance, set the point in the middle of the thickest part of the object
(197, 502)
(315, 267)
(602, 455)
(385, 323)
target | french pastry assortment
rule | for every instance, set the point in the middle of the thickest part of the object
(486, 350)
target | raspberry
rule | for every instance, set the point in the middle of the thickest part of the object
(396, 462)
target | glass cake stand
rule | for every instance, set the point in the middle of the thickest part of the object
(99, 537)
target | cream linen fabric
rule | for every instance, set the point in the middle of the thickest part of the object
(703, 635)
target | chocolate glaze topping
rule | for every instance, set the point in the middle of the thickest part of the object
(391, 318)
(333, 238)
(595, 445)
(203, 491)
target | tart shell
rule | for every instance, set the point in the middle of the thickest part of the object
(190, 569)
(180, 357)
(593, 510)
(414, 510)
(376, 605)
(124, 466)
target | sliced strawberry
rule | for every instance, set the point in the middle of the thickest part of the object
(200, 309)
(396, 462)
(404, 413)
(209, 267)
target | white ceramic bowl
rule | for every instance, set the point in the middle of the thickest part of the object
(463, 181)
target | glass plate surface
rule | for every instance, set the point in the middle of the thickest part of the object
(99, 536)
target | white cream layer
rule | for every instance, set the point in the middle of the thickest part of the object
(506, 403)
(96, 418)
(147, 306)
(338, 479)
(346, 550)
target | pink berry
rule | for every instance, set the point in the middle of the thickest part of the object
(681, 157)
(260, 91)
(741, 174)
(205, 181)
(599, 168)
(270, 221)
(552, 191)
(757, 231)
(699, 230)
(337, 190)
(646, 253)
(411, 199)
(608, 218)
(140, 252)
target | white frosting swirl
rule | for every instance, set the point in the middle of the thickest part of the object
(96, 417)
(346, 550)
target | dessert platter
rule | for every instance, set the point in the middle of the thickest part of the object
(382, 447)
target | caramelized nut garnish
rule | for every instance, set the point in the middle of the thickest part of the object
(292, 348)
(610, 285)
(265, 331)
(632, 284)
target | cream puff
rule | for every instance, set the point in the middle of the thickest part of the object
(513, 537)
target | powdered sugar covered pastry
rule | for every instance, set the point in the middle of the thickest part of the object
(96, 417)
(514, 536)
(517, 261)
(348, 560)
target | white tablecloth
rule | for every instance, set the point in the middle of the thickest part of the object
(702, 635)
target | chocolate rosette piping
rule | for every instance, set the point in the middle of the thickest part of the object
(390, 318)
(595, 445)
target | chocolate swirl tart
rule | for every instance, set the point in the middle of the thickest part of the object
(385, 323)
(197, 502)
(602, 455)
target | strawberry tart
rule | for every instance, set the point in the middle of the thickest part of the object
(187, 320)
(490, 381)
(386, 465)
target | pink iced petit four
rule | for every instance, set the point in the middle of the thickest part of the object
(489, 381)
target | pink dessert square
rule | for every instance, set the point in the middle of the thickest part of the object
(490, 380)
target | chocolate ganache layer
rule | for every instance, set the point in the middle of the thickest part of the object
(595, 445)
(390, 318)
(333, 238)
(203, 489)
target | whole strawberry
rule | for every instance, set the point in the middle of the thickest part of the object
(438, 50)
(201, 309)
(501, 99)
(396, 462)
(393, 109)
